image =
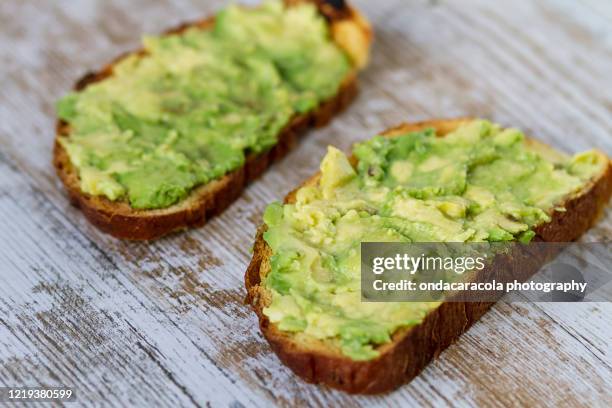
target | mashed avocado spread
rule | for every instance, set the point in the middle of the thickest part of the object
(189, 110)
(478, 183)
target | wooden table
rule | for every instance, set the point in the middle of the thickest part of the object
(164, 324)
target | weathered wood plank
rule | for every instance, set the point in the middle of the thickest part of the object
(59, 300)
(164, 324)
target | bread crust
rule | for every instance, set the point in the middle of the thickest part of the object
(119, 219)
(411, 349)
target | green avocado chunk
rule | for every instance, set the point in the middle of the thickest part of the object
(190, 110)
(480, 183)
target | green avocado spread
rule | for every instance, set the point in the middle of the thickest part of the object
(479, 183)
(190, 109)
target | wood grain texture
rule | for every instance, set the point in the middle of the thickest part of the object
(163, 323)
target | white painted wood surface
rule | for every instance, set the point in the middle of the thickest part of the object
(163, 324)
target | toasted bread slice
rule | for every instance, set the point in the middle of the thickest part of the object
(411, 348)
(349, 30)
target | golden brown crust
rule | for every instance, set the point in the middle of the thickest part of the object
(411, 349)
(122, 221)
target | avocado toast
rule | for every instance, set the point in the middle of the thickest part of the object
(459, 180)
(166, 137)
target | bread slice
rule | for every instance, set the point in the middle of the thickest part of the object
(411, 348)
(349, 30)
